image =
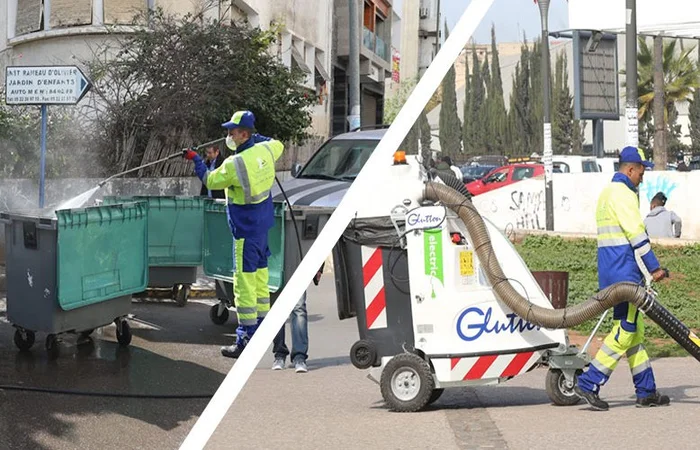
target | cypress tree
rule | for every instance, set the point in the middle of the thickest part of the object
(468, 124)
(477, 99)
(450, 126)
(563, 111)
(497, 108)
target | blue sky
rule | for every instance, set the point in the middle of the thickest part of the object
(511, 17)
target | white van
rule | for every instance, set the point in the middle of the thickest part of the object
(574, 164)
(608, 164)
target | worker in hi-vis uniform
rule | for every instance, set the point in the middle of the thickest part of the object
(621, 234)
(247, 178)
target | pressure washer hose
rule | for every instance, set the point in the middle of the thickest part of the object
(555, 318)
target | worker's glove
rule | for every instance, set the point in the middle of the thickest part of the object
(189, 154)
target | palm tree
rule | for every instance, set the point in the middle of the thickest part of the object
(681, 77)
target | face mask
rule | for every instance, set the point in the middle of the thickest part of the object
(230, 143)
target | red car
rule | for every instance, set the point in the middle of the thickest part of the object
(503, 176)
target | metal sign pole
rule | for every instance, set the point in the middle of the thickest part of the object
(42, 168)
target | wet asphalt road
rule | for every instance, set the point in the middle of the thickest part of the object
(176, 351)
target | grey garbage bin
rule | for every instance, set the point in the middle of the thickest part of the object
(75, 271)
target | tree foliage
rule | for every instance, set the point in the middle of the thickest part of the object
(450, 126)
(173, 83)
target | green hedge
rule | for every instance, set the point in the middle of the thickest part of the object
(680, 294)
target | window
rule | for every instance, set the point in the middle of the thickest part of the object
(498, 176)
(521, 173)
(591, 166)
(561, 167)
(339, 160)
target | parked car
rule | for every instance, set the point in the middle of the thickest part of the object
(504, 176)
(575, 164)
(475, 172)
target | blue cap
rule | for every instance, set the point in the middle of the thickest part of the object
(244, 119)
(634, 155)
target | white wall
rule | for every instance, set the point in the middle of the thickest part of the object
(522, 205)
(664, 15)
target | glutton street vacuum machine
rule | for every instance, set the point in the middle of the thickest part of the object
(443, 299)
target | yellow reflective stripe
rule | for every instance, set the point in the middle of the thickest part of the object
(612, 242)
(610, 229)
(638, 239)
(602, 368)
(606, 361)
(242, 172)
(641, 366)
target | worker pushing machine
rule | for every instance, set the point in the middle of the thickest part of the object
(621, 233)
(247, 178)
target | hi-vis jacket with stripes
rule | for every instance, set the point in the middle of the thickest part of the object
(621, 232)
(247, 178)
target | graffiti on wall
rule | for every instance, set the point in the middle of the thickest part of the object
(652, 185)
(526, 207)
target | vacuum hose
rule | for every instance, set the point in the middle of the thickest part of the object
(556, 318)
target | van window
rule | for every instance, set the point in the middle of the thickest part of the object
(561, 167)
(339, 160)
(590, 166)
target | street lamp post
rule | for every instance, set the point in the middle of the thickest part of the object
(631, 110)
(547, 152)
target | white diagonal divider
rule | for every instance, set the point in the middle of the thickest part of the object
(368, 180)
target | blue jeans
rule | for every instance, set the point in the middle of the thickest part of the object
(300, 334)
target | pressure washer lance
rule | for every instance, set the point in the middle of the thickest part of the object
(153, 163)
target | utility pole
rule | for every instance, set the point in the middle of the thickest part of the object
(354, 66)
(547, 152)
(631, 110)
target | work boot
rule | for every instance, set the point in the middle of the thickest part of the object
(232, 351)
(654, 399)
(592, 399)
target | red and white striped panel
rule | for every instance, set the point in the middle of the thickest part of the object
(491, 366)
(373, 277)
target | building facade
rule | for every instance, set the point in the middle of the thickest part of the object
(62, 32)
(375, 17)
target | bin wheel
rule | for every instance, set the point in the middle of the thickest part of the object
(24, 339)
(363, 354)
(407, 383)
(435, 395)
(218, 319)
(559, 389)
(181, 292)
(123, 333)
(52, 349)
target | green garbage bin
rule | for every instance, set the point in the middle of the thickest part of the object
(217, 252)
(75, 271)
(175, 225)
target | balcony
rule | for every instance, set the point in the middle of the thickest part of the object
(382, 49)
(367, 38)
(375, 44)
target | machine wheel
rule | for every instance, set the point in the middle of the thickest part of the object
(435, 395)
(363, 354)
(407, 383)
(52, 349)
(24, 339)
(218, 319)
(559, 389)
(86, 333)
(181, 292)
(123, 333)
